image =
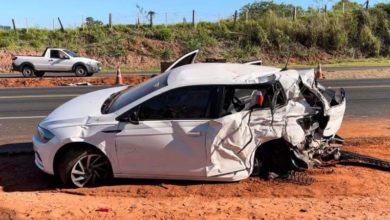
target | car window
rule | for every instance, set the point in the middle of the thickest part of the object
(63, 55)
(245, 95)
(55, 54)
(132, 94)
(183, 103)
(71, 53)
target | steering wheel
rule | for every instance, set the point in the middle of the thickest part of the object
(238, 104)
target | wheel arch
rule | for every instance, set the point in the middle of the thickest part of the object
(276, 147)
(79, 64)
(26, 63)
(75, 145)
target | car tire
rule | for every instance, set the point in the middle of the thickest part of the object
(80, 71)
(28, 71)
(84, 167)
(39, 74)
(90, 74)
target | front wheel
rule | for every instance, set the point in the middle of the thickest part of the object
(27, 71)
(80, 168)
(81, 71)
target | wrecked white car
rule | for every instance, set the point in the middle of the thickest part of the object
(206, 121)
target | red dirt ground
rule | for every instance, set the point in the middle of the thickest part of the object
(338, 192)
(62, 81)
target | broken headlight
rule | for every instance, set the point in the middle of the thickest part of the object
(44, 134)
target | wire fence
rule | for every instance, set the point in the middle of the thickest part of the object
(167, 18)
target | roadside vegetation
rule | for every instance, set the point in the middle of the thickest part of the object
(263, 30)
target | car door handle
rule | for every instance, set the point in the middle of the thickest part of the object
(50, 60)
(194, 133)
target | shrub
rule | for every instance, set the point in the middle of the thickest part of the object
(369, 44)
(165, 34)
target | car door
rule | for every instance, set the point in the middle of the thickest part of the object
(58, 60)
(184, 60)
(169, 139)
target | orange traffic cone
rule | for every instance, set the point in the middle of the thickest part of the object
(119, 79)
(318, 73)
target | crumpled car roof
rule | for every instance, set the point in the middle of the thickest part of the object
(218, 73)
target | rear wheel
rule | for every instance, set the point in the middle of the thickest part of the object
(81, 71)
(27, 71)
(39, 74)
(276, 157)
(90, 74)
(84, 167)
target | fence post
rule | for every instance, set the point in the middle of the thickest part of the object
(343, 6)
(295, 14)
(59, 21)
(138, 20)
(235, 18)
(13, 24)
(367, 4)
(110, 20)
(246, 16)
(26, 25)
(193, 18)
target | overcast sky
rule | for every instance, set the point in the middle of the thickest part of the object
(43, 13)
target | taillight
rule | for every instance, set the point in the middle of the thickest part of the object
(14, 58)
(259, 98)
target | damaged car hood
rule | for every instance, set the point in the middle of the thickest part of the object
(79, 109)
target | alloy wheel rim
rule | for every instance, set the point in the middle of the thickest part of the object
(27, 72)
(89, 169)
(80, 71)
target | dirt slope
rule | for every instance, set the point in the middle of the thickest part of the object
(338, 192)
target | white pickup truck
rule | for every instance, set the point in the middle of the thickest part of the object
(55, 60)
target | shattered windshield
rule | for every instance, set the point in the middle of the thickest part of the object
(132, 94)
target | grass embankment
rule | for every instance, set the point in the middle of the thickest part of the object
(355, 37)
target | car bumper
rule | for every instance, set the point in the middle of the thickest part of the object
(44, 153)
(94, 68)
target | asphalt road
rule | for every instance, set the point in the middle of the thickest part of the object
(21, 109)
(328, 69)
(19, 75)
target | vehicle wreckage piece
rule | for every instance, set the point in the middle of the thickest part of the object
(351, 158)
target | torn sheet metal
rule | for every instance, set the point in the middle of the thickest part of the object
(234, 138)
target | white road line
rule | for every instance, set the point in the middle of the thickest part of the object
(22, 117)
(360, 87)
(38, 96)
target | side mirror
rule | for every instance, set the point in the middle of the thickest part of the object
(134, 118)
(131, 116)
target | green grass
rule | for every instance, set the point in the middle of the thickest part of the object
(344, 63)
(332, 63)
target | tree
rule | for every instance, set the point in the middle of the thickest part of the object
(348, 6)
(90, 22)
(257, 10)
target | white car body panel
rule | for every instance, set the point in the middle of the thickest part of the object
(186, 149)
